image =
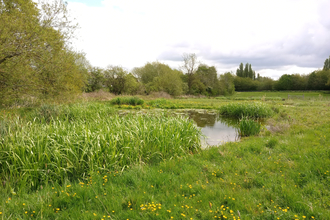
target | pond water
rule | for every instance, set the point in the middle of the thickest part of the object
(217, 129)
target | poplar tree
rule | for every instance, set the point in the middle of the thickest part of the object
(245, 72)
(327, 64)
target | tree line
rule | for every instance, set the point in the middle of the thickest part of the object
(37, 62)
(192, 78)
(316, 80)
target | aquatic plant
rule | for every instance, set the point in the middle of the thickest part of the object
(248, 127)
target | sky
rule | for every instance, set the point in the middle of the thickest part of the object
(276, 36)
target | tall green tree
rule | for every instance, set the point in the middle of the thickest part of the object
(240, 70)
(226, 84)
(189, 67)
(95, 79)
(209, 77)
(115, 79)
(326, 65)
(246, 72)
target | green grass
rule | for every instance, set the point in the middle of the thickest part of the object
(283, 173)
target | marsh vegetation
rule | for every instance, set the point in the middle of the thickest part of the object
(140, 165)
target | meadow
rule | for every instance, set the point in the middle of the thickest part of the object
(90, 161)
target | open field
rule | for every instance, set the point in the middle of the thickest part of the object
(83, 161)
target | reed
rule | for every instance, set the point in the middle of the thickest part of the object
(77, 142)
(127, 101)
(248, 127)
(254, 109)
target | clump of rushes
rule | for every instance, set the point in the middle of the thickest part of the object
(127, 101)
(248, 127)
(255, 110)
(39, 152)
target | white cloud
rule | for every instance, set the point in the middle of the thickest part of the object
(274, 36)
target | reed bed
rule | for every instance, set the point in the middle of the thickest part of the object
(248, 127)
(77, 142)
(249, 109)
(127, 101)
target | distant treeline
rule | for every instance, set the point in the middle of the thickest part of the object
(201, 80)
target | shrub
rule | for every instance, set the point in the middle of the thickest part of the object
(127, 101)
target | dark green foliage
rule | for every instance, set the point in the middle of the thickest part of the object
(95, 79)
(245, 84)
(115, 79)
(127, 101)
(327, 64)
(208, 77)
(318, 80)
(226, 84)
(291, 82)
(247, 72)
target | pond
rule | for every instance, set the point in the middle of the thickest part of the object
(217, 129)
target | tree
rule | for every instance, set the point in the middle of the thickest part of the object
(208, 76)
(157, 77)
(240, 70)
(189, 67)
(264, 83)
(246, 72)
(226, 84)
(318, 80)
(245, 84)
(95, 79)
(34, 58)
(326, 65)
(284, 82)
(132, 85)
(115, 78)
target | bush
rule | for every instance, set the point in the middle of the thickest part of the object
(127, 101)
(248, 127)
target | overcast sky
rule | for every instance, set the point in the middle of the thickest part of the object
(275, 36)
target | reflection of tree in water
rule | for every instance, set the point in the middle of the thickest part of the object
(209, 119)
(203, 118)
(230, 122)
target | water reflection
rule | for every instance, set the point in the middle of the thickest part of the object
(217, 129)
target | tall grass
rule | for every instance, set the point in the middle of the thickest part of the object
(254, 109)
(248, 127)
(64, 148)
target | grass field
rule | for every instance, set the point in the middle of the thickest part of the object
(83, 161)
